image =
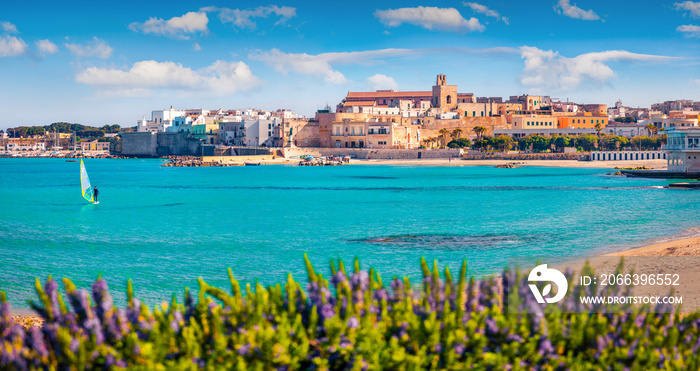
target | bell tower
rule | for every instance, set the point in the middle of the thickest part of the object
(444, 96)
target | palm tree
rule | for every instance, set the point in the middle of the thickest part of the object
(456, 133)
(443, 134)
(598, 127)
(652, 129)
(479, 130)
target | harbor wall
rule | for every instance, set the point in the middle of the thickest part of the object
(156, 144)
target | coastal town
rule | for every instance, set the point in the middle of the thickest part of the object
(386, 124)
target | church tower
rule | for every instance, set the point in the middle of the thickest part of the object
(444, 96)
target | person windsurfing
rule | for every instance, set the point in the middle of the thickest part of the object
(95, 193)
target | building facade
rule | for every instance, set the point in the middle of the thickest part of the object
(683, 148)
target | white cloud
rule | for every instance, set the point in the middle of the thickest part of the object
(689, 30)
(176, 27)
(379, 81)
(322, 65)
(124, 93)
(431, 18)
(305, 64)
(219, 78)
(572, 11)
(46, 47)
(8, 27)
(95, 48)
(11, 46)
(243, 18)
(692, 7)
(548, 69)
(196, 47)
(483, 9)
(695, 82)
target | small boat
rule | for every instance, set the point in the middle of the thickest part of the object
(71, 160)
(251, 163)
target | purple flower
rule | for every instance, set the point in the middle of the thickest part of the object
(353, 322)
(459, 348)
(51, 289)
(514, 338)
(244, 349)
(74, 345)
(380, 295)
(110, 360)
(546, 347)
(491, 326)
(338, 278)
(327, 311)
(360, 280)
(103, 300)
(37, 341)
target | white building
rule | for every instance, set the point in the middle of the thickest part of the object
(628, 130)
(160, 120)
(664, 122)
(683, 148)
(256, 132)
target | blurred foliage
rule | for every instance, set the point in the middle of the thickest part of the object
(350, 322)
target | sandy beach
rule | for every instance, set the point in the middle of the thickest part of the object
(682, 247)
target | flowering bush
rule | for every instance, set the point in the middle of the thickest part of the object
(351, 321)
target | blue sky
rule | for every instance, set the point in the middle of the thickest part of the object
(112, 62)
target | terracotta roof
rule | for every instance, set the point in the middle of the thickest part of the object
(388, 94)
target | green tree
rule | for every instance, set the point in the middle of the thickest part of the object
(586, 141)
(459, 143)
(443, 136)
(479, 131)
(561, 141)
(598, 127)
(502, 142)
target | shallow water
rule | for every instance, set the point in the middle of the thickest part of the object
(164, 227)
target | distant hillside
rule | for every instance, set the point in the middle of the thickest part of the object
(63, 127)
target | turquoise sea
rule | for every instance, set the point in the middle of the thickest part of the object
(163, 227)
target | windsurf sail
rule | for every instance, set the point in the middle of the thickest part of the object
(85, 186)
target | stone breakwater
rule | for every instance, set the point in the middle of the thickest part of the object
(191, 161)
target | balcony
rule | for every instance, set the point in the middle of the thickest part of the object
(681, 147)
(347, 135)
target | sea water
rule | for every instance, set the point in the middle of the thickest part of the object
(163, 227)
